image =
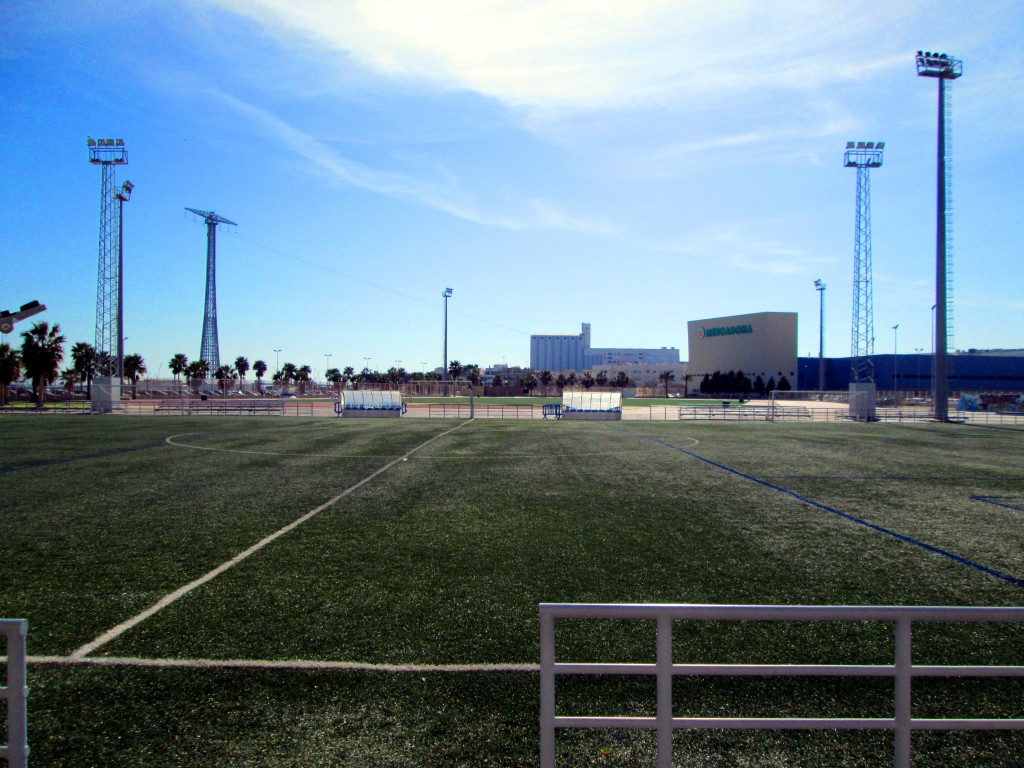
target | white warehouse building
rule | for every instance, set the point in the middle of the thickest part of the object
(562, 352)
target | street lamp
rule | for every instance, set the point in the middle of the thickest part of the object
(819, 286)
(446, 294)
(277, 360)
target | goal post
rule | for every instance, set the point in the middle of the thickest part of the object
(855, 402)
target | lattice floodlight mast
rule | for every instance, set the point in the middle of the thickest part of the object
(863, 155)
(208, 348)
(108, 153)
(943, 68)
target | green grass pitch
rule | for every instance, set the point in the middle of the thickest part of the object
(442, 559)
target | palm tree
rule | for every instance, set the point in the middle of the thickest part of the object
(665, 377)
(302, 375)
(68, 377)
(242, 366)
(333, 376)
(196, 372)
(687, 377)
(497, 381)
(259, 368)
(134, 367)
(348, 373)
(178, 365)
(223, 375)
(288, 373)
(42, 351)
(530, 382)
(473, 375)
(454, 370)
(106, 364)
(10, 369)
(601, 378)
(546, 378)
(570, 378)
(588, 379)
(561, 381)
(621, 380)
(83, 356)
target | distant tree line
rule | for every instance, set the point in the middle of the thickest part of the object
(739, 383)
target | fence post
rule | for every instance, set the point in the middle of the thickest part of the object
(904, 667)
(547, 690)
(17, 695)
(664, 665)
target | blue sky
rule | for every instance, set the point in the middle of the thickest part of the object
(630, 164)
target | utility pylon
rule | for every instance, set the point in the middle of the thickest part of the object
(108, 153)
(208, 348)
(863, 155)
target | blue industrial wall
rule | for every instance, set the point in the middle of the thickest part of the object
(971, 373)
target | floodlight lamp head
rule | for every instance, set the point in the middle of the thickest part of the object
(447, 293)
(935, 64)
(819, 285)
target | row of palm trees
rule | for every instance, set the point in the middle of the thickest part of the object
(42, 352)
(40, 357)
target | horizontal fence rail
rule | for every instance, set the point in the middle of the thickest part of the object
(16, 694)
(663, 669)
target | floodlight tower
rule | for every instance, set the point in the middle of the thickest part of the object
(123, 195)
(820, 286)
(864, 155)
(446, 294)
(108, 153)
(208, 348)
(943, 68)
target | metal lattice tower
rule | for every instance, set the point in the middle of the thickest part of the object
(208, 348)
(108, 153)
(943, 68)
(863, 155)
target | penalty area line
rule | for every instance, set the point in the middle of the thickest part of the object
(120, 629)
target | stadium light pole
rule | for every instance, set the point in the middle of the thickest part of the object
(446, 294)
(277, 360)
(819, 286)
(123, 195)
(943, 68)
(327, 364)
(895, 360)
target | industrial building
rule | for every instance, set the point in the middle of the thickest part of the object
(969, 371)
(761, 344)
(562, 352)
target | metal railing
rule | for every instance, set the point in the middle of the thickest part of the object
(467, 411)
(16, 694)
(903, 671)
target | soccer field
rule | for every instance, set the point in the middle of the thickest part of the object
(267, 591)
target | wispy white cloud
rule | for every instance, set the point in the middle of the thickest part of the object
(734, 247)
(579, 54)
(441, 195)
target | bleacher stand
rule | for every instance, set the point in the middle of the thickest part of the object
(370, 404)
(592, 406)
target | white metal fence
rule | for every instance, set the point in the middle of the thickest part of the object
(903, 671)
(15, 693)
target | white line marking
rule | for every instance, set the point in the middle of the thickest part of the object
(124, 626)
(171, 441)
(296, 664)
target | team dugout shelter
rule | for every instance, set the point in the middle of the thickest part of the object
(760, 344)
